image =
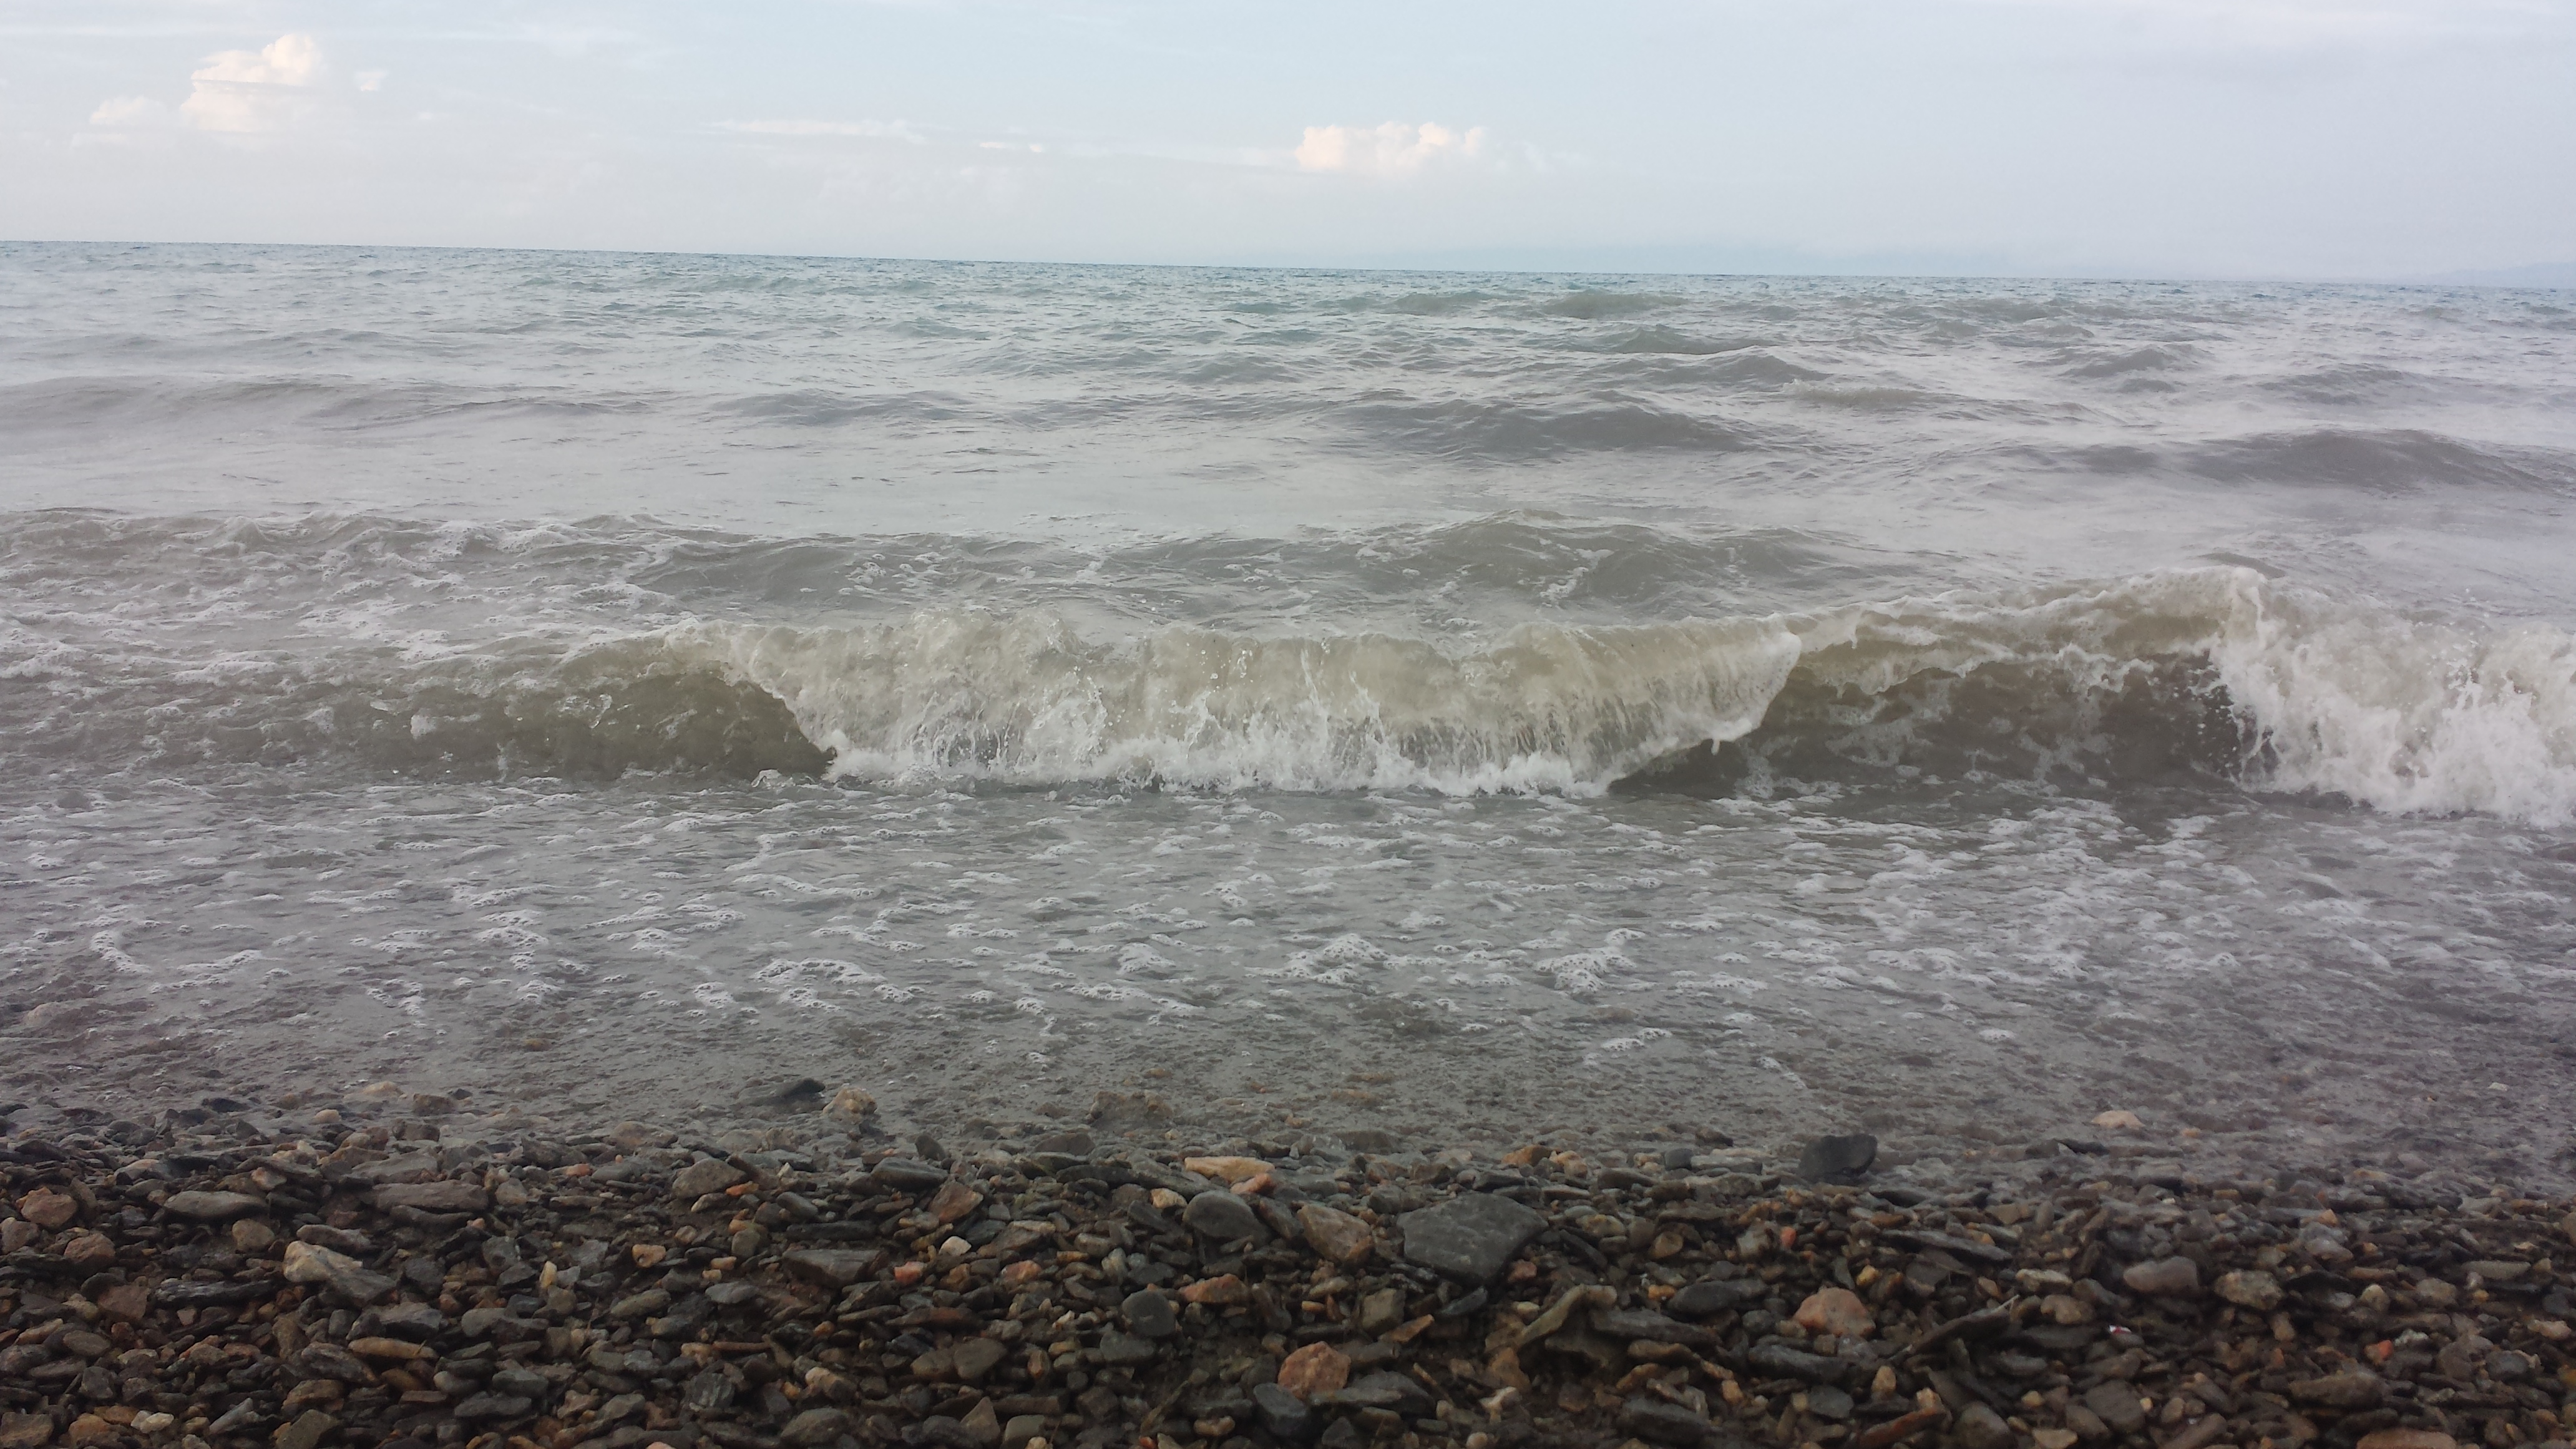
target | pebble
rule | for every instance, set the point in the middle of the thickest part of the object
(581, 1295)
(1838, 1159)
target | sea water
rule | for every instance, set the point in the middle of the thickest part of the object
(1463, 706)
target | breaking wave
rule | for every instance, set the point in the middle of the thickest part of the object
(2216, 674)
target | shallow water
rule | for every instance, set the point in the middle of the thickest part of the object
(1454, 705)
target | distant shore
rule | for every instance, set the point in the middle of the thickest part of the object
(399, 1269)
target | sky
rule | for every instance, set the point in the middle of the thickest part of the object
(2181, 138)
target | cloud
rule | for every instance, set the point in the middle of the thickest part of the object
(873, 130)
(371, 80)
(129, 111)
(249, 91)
(1394, 149)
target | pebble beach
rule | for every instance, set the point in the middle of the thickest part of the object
(398, 1270)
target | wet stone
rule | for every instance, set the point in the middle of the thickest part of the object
(2116, 1404)
(1658, 1422)
(1125, 1350)
(1284, 1414)
(1149, 1314)
(1838, 1159)
(213, 1207)
(905, 1174)
(1471, 1238)
(700, 1178)
(1221, 1217)
(1713, 1296)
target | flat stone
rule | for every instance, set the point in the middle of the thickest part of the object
(433, 1197)
(414, 1321)
(1221, 1217)
(1658, 1422)
(974, 1358)
(831, 1267)
(1394, 1392)
(2407, 1439)
(48, 1209)
(1782, 1361)
(2116, 1403)
(908, 1174)
(1471, 1238)
(214, 1207)
(1336, 1235)
(814, 1428)
(1149, 1314)
(1281, 1412)
(1125, 1350)
(700, 1178)
(1979, 1427)
(1634, 1324)
(1019, 1429)
(307, 1430)
(126, 1302)
(2164, 1277)
(954, 1200)
(1838, 1159)
(1712, 1296)
(2349, 1389)
(25, 1431)
(474, 1407)
(2250, 1288)
(1318, 1368)
(308, 1264)
(1380, 1311)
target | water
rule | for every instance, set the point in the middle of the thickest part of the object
(1462, 706)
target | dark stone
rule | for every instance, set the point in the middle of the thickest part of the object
(1123, 1350)
(1979, 1427)
(1344, 1434)
(1284, 1414)
(1221, 1217)
(1662, 1423)
(1149, 1314)
(814, 1428)
(1838, 1159)
(1828, 1402)
(477, 1407)
(904, 1174)
(1713, 1296)
(1633, 1324)
(1781, 1361)
(1394, 1392)
(2116, 1402)
(1471, 1238)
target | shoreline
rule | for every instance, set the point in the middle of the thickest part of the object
(397, 1268)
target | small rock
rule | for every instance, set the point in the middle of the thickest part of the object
(1979, 1427)
(908, 1174)
(1318, 1368)
(831, 1267)
(1125, 1350)
(252, 1236)
(982, 1426)
(307, 1430)
(89, 1252)
(1469, 1239)
(2348, 1389)
(1838, 1159)
(1394, 1392)
(1837, 1311)
(2115, 1402)
(1149, 1314)
(309, 1264)
(1336, 1235)
(954, 1200)
(1711, 1297)
(2250, 1288)
(48, 1209)
(25, 1431)
(700, 1178)
(1021, 1428)
(1662, 1422)
(1221, 1217)
(849, 1107)
(2407, 1439)
(213, 1207)
(477, 1407)
(433, 1197)
(1281, 1412)
(2167, 1277)
(1381, 1311)
(2054, 1438)
(974, 1358)
(2115, 1121)
(814, 1428)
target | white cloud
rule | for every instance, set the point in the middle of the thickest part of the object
(247, 91)
(874, 130)
(1394, 149)
(129, 111)
(371, 80)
